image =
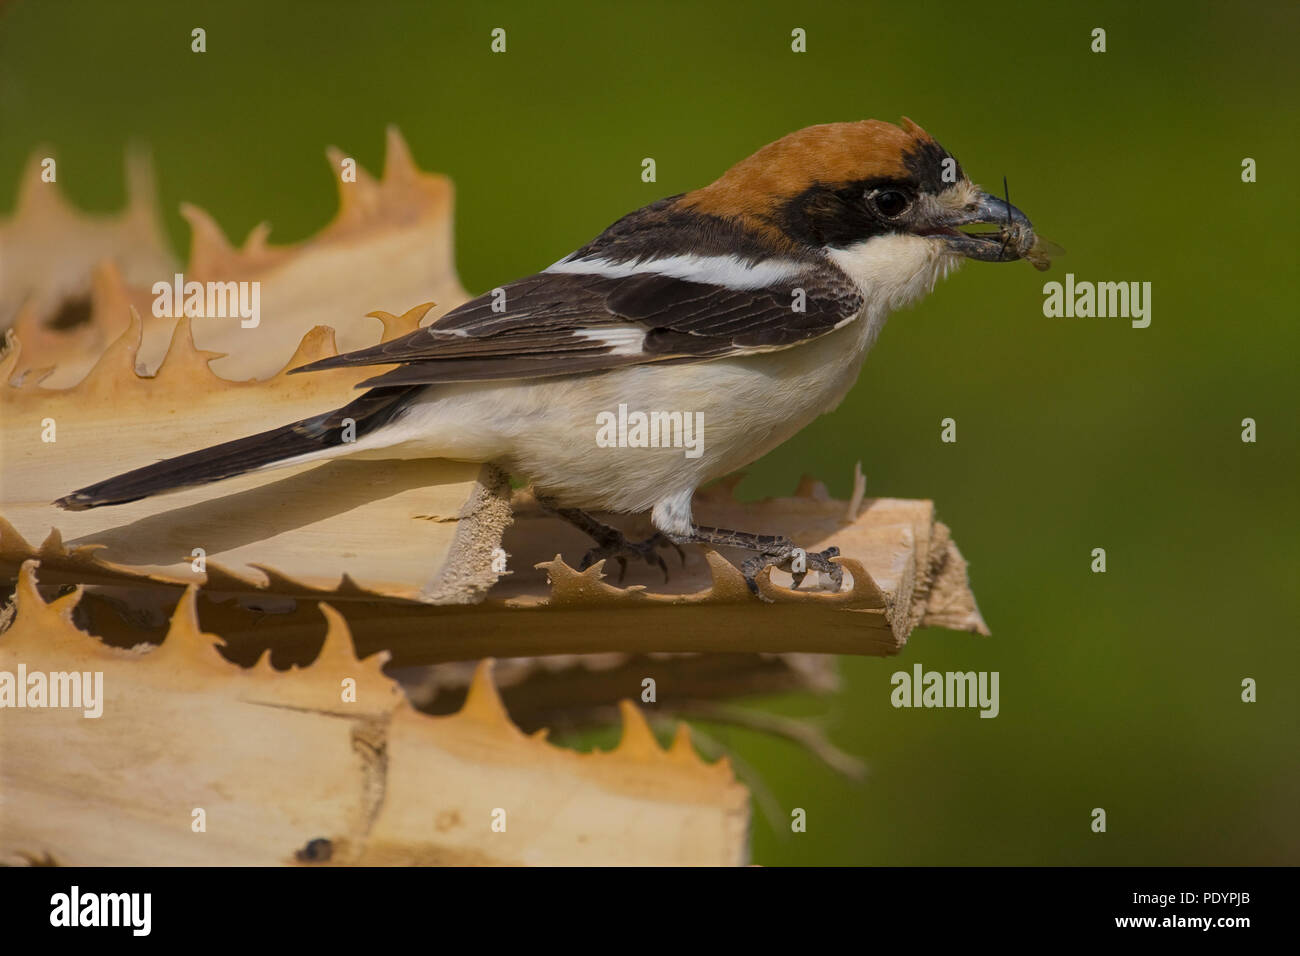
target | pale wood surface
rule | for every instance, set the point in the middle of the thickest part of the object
(278, 759)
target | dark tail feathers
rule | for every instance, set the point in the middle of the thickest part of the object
(372, 410)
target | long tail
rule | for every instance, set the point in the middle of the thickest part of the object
(278, 446)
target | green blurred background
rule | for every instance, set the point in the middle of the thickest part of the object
(1118, 690)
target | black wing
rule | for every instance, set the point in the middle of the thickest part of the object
(564, 323)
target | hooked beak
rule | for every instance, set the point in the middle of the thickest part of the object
(1009, 242)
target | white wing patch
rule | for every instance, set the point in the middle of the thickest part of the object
(626, 339)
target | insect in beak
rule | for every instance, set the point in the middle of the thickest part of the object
(1014, 239)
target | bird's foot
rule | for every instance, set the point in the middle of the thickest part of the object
(611, 543)
(796, 562)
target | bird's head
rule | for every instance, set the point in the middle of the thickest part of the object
(871, 192)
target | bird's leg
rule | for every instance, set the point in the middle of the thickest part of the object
(612, 543)
(771, 550)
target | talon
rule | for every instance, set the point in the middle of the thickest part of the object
(659, 540)
(750, 571)
(781, 555)
(619, 548)
(834, 571)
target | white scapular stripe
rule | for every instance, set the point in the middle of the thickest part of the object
(727, 271)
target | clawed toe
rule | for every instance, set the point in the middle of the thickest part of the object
(797, 563)
(620, 549)
(660, 540)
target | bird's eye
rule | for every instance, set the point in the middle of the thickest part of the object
(890, 203)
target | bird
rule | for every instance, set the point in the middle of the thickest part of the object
(746, 307)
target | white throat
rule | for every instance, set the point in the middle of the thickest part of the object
(894, 271)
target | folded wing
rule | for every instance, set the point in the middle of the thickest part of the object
(565, 323)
